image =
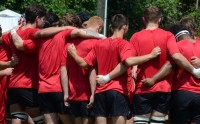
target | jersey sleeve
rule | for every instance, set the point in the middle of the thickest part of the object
(64, 57)
(6, 39)
(32, 32)
(125, 51)
(133, 44)
(172, 45)
(65, 35)
(30, 46)
(91, 58)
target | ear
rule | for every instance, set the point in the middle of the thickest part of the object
(124, 27)
(144, 21)
(159, 20)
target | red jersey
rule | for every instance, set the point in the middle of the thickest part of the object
(4, 82)
(143, 43)
(183, 80)
(197, 38)
(50, 52)
(78, 78)
(25, 74)
(106, 55)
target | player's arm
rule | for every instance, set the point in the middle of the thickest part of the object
(14, 61)
(195, 61)
(183, 62)
(179, 58)
(85, 33)
(162, 73)
(79, 60)
(136, 60)
(17, 40)
(48, 32)
(130, 61)
(6, 72)
(117, 71)
(92, 86)
(65, 85)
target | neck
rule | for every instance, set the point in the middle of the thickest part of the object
(118, 34)
(29, 25)
(151, 26)
(186, 37)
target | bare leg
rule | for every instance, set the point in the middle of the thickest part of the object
(119, 120)
(130, 121)
(66, 119)
(51, 118)
(88, 120)
(101, 120)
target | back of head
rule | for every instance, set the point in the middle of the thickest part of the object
(33, 11)
(93, 21)
(118, 21)
(83, 16)
(179, 31)
(152, 14)
(51, 20)
(70, 19)
(190, 24)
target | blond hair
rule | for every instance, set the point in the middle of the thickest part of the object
(93, 21)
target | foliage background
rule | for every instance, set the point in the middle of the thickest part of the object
(173, 10)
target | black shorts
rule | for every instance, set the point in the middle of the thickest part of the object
(53, 103)
(79, 108)
(185, 107)
(110, 103)
(23, 96)
(147, 102)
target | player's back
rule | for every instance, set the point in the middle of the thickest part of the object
(183, 80)
(108, 54)
(25, 72)
(50, 53)
(79, 77)
(143, 43)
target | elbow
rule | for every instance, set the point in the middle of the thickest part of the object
(84, 65)
(176, 56)
(128, 62)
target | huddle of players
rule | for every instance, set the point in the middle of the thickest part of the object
(104, 88)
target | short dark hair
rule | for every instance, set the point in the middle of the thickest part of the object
(118, 21)
(84, 16)
(176, 28)
(189, 22)
(152, 14)
(50, 20)
(33, 11)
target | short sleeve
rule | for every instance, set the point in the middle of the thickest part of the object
(172, 45)
(32, 32)
(6, 39)
(30, 46)
(64, 57)
(133, 44)
(64, 35)
(91, 58)
(125, 51)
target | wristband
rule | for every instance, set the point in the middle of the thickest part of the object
(13, 31)
(196, 72)
(106, 78)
